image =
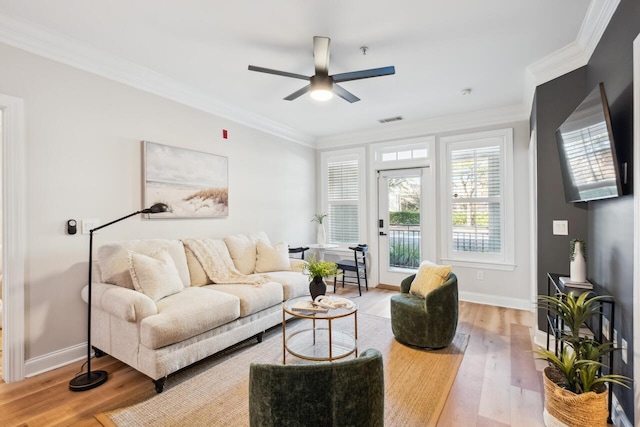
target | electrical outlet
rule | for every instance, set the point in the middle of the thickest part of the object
(89, 224)
(605, 328)
(480, 275)
(624, 350)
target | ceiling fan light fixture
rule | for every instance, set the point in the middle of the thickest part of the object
(321, 94)
(321, 88)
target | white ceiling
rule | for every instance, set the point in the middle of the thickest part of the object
(197, 52)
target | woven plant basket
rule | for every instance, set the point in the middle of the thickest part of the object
(565, 408)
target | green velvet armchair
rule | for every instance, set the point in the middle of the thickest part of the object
(343, 393)
(429, 322)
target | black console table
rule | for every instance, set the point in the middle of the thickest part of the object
(555, 325)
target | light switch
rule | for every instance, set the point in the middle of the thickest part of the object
(560, 227)
(89, 224)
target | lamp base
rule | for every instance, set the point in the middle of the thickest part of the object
(88, 381)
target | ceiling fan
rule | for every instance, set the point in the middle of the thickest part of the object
(321, 85)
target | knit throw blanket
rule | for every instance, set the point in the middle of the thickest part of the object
(216, 262)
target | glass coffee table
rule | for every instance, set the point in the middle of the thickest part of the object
(322, 341)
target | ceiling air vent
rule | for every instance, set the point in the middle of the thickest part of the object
(391, 119)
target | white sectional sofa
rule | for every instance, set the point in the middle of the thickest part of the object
(160, 305)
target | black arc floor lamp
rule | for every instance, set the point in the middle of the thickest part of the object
(92, 379)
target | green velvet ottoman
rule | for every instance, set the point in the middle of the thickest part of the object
(429, 322)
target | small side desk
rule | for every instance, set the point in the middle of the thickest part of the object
(320, 249)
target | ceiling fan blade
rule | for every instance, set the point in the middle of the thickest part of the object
(278, 73)
(344, 94)
(298, 93)
(363, 74)
(321, 54)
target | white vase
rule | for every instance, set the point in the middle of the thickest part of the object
(578, 267)
(320, 236)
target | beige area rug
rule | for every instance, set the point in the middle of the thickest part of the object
(215, 391)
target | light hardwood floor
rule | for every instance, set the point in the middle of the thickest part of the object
(499, 382)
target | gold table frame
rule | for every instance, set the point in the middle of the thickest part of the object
(331, 334)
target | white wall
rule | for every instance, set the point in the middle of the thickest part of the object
(83, 136)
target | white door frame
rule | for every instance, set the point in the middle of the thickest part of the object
(13, 237)
(427, 242)
(533, 221)
(373, 167)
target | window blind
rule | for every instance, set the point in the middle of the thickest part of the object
(342, 199)
(476, 175)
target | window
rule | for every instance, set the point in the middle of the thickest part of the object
(410, 150)
(478, 200)
(343, 195)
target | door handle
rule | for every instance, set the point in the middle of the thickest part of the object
(382, 233)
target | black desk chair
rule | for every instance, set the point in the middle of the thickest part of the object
(358, 265)
(299, 250)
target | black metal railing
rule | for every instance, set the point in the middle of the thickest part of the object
(404, 245)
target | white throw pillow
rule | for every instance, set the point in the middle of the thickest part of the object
(113, 259)
(156, 276)
(272, 258)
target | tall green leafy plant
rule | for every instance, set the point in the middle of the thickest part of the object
(580, 360)
(314, 268)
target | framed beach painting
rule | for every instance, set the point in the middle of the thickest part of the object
(192, 183)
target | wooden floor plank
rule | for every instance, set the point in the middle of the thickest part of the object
(523, 372)
(497, 358)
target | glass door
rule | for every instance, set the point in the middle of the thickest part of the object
(401, 223)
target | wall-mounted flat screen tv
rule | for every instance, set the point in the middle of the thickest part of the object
(587, 151)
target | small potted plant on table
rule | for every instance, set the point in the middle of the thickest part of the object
(317, 271)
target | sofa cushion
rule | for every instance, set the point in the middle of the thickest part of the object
(430, 276)
(186, 314)
(272, 257)
(154, 275)
(294, 284)
(243, 252)
(253, 298)
(114, 259)
(196, 272)
(242, 248)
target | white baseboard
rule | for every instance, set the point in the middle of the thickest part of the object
(519, 304)
(540, 339)
(56, 359)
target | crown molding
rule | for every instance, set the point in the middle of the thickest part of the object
(403, 130)
(560, 62)
(578, 53)
(595, 23)
(40, 41)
